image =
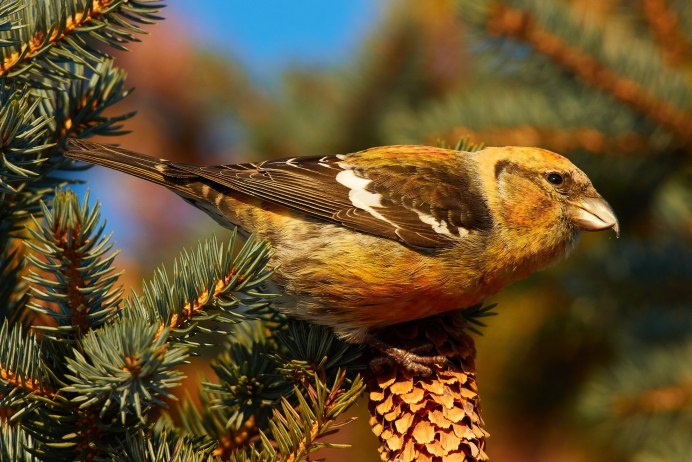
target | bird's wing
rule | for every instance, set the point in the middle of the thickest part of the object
(425, 197)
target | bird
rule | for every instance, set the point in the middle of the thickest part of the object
(389, 234)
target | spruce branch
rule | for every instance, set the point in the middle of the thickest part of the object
(523, 115)
(296, 431)
(125, 368)
(78, 110)
(313, 349)
(644, 401)
(26, 392)
(249, 387)
(297, 424)
(22, 136)
(678, 449)
(158, 446)
(13, 290)
(73, 280)
(46, 36)
(22, 139)
(473, 316)
(665, 28)
(208, 426)
(260, 372)
(587, 139)
(210, 277)
(14, 442)
(22, 372)
(34, 125)
(462, 143)
(7, 10)
(246, 387)
(256, 372)
(521, 25)
(465, 144)
(31, 121)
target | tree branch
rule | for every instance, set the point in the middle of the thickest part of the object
(519, 24)
(665, 27)
(39, 43)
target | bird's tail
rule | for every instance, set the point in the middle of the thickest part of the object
(180, 178)
(158, 171)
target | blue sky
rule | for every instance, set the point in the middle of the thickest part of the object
(268, 34)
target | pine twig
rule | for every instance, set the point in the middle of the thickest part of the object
(210, 277)
(21, 365)
(644, 400)
(587, 138)
(665, 27)
(74, 281)
(52, 30)
(672, 398)
(520, 25)
(313, 418)
(40, 41)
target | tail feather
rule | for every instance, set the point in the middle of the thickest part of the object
(158, 171)
(220, 202)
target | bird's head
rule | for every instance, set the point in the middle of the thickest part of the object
(539, 189)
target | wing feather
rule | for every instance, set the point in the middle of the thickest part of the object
(425, 197)
(422, 203)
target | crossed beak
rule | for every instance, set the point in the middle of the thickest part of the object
(594, 214)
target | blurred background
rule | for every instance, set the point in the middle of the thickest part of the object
(590, 360)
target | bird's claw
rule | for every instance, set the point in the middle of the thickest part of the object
(411, 360)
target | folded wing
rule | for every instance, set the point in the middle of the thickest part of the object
(423, 196)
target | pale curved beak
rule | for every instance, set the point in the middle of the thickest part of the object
(594, 214)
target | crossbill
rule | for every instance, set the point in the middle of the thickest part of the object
(389, 234)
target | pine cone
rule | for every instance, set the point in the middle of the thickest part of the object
(432, 418)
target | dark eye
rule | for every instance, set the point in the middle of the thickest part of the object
(554, 178)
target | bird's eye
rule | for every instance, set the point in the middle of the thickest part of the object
(555, 178)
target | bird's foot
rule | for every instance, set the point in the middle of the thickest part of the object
(413, 360)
